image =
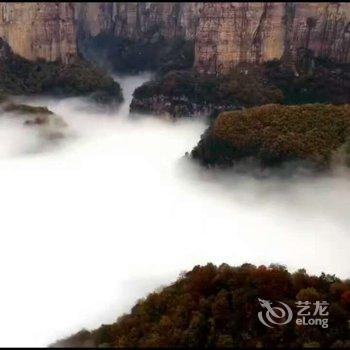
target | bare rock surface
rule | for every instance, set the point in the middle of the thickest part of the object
(224, 33)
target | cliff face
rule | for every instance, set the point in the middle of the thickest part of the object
(224, 33)
(238, 32)
(229, 33)
(39, 30)
(323, 28)
(134, 20)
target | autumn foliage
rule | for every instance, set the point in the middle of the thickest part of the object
(274, 134)
(218, 306)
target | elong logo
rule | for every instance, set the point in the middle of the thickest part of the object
(278, 315)
(283, 314)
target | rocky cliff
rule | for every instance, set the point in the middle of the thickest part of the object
(39, 30)
(229, 33)
(134, 20)
(224, 33)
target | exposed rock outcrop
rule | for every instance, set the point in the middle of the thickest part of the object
(39, 30)
(134, 20)
(230, 33)
(225, 34)
(133, 37)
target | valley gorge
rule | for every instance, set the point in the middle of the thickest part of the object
(194, 155)
(198, 50)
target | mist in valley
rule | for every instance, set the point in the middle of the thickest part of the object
(114, 210)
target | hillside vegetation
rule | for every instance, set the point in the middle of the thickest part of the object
(218, 307)
(275, 134)
(187, 93)
(20, 76)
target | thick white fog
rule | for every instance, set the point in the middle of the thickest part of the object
(113, 211)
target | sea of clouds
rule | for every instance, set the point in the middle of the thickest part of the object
(114, 210)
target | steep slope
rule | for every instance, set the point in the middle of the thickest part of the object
(218, 307)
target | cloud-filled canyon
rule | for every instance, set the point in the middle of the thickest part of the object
(170, 172)
(115, 210)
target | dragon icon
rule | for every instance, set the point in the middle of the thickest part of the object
(277, 315)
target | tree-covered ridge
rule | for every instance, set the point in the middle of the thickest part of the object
(185, 92)
(235, 88)
(214, 306)
(78, 78)
(274, 134)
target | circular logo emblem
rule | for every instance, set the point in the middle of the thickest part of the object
(274, 315)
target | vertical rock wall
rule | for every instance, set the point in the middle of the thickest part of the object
(323, 28)
(134, 20)
(39, 30)
(229, 33)
(224, 33)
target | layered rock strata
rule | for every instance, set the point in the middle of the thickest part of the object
(225, 34)
(230, 33)
(39, 30)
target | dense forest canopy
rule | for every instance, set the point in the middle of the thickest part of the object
(315, 134)
(214, 306)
